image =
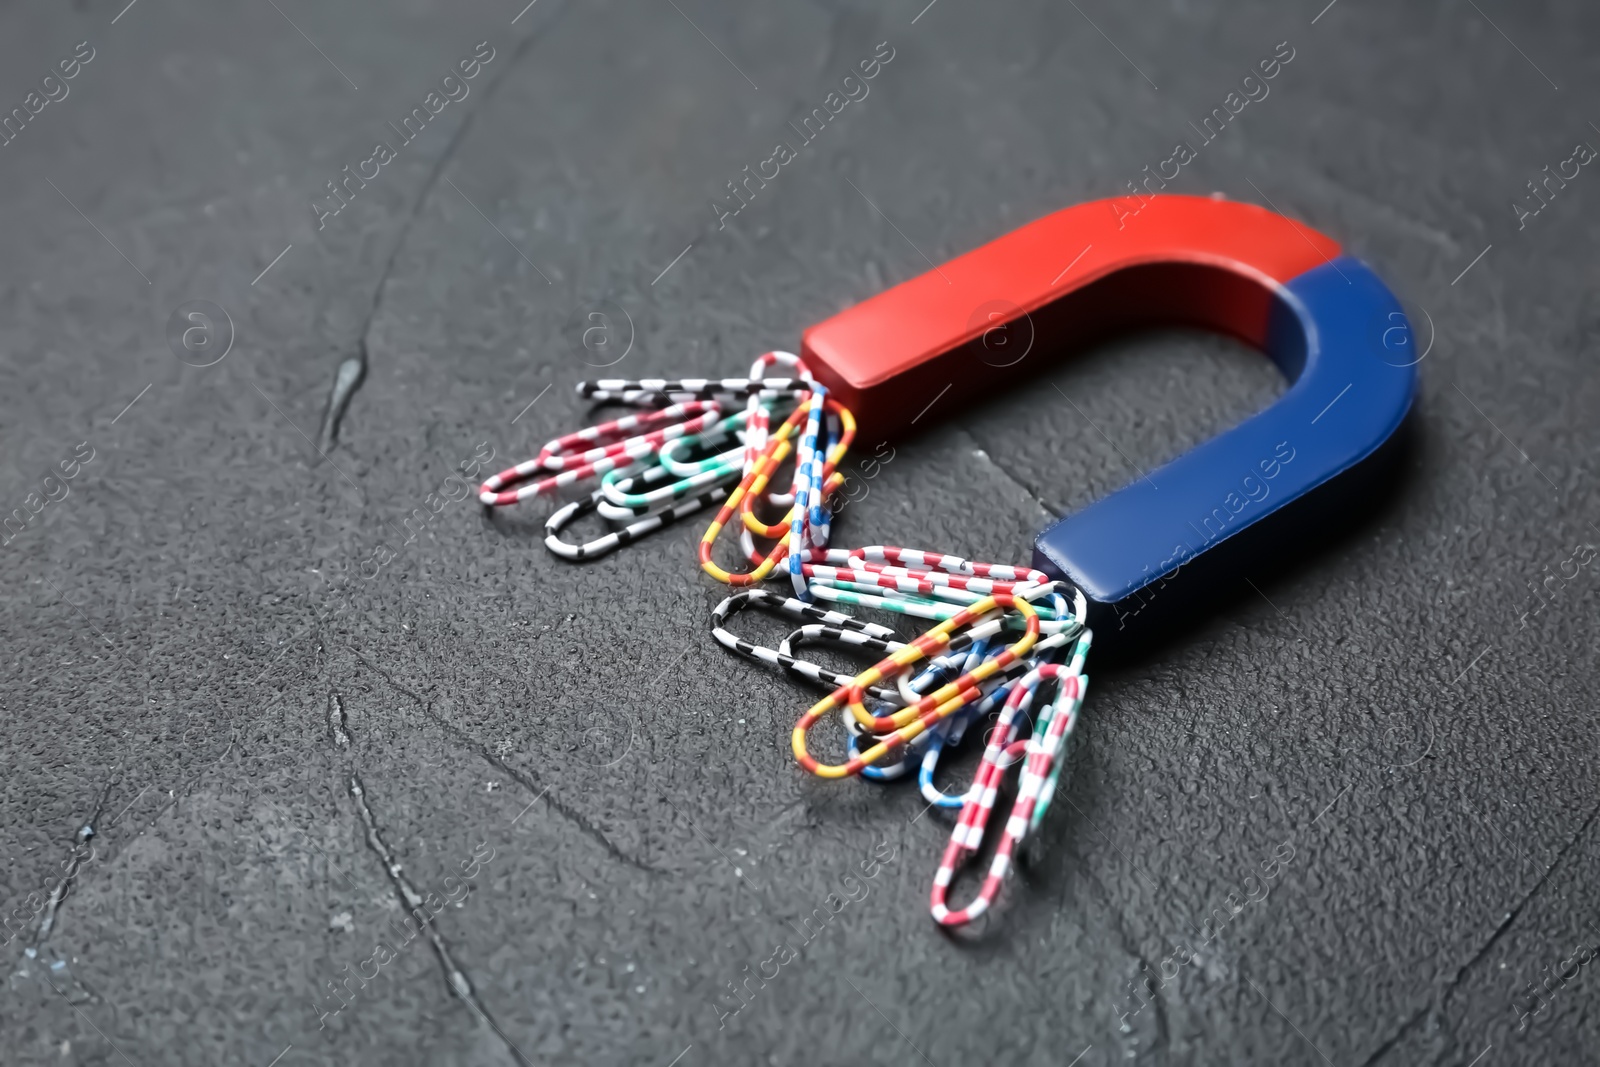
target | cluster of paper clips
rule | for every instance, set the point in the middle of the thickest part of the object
(1007, 644)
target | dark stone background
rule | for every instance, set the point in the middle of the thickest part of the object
(178, 628)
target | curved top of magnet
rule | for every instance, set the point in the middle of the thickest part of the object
(1009, 308)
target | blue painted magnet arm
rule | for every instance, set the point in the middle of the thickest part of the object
(1345, 331)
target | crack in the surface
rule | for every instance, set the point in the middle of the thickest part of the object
(352, 370)
(38, 951)
(576, 818)
(411, 901)
(1505, 923)
(58, 895)
(1394, 1039)
(337, 722)
(523, 778)
(1012, 478)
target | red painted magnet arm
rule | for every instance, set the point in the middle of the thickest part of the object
(1066, 280)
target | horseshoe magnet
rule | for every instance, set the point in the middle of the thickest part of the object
(1082, 274)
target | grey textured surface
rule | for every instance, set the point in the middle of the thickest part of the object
(179, 629)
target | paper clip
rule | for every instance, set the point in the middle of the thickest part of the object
(941, 570)
(711, 485)
(803, 514)
(951, 732)
(1040, 753)
(755, 481)
(831, 632)
(1047, 792)
(886, 771)
(840, 627)
(651, 390)
(938, 672)
(909, 722)
(757, 415)
(647, 523)
(558, 455)
(625, 496)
